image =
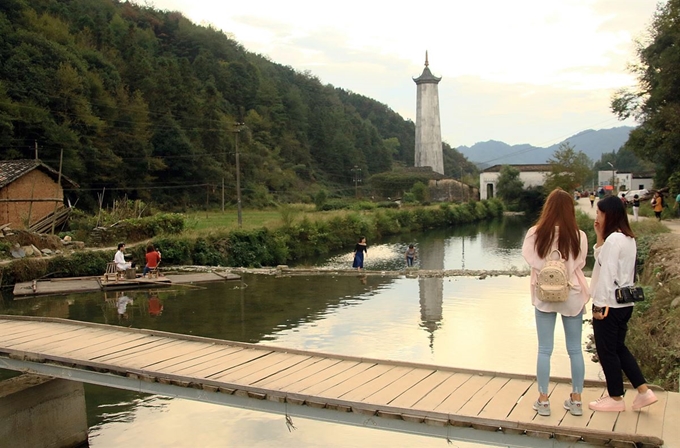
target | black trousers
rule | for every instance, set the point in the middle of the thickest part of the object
(610, 342)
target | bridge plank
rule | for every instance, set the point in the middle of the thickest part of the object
(523, 412)
(12, 326)
(395, 389)
(55, 341)
(627, 422)
(226, 362)
(355, 381)
(581, 422)
(441, 392)
(371, 387)
(559, 393)
(259, 370)
(351, 369)
(37, 332)
(410, 397)
(188, 348)
(147, 344)
(93, 340)
(462, 395)
(650, 419)
(159, 353)
(477, 402)
(123, 357)
(671, 428)
(391, 388)
(88, 350)
(323, 375)
(502, 403)
(295, 373)
(603, 421)
(210, 352)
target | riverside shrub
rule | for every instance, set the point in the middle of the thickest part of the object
(262, 247)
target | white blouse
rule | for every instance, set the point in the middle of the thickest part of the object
(614, 262)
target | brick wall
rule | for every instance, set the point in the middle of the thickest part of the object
(16, 213)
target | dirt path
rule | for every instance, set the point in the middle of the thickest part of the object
(584, 206)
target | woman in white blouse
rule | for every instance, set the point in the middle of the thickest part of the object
(615, 253)
(557, 229)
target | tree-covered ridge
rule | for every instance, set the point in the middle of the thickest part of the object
(146, 103)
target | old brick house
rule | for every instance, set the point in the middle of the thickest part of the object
(29, 187)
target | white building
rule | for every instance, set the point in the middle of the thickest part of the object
(531, 175)
(625, 181)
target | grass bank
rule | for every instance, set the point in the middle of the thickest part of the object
(293, 235)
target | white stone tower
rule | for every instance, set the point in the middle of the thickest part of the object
(428, 128)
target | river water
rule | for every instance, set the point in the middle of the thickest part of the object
(461, 322)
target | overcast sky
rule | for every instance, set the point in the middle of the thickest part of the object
(521, 71)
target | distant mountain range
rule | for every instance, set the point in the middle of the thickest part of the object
(591, 142)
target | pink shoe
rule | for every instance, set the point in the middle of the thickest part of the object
(643, 400)
(607, 404)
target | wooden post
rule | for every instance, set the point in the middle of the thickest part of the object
(223, 195)
(30, 205)
(56, 204)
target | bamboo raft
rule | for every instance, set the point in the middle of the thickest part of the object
(70, 285)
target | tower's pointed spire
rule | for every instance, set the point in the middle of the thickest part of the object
(427, 63)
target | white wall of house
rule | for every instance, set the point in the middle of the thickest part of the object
(488, 182)
(642, 183)
(624, 181)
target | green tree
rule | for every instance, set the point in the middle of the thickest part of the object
(569, 170)
(510, 186)
(655, 102)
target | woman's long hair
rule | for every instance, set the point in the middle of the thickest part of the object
(615, 217)
(558, 210)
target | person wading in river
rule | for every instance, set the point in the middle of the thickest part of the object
(556, 229)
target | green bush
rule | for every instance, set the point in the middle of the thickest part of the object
(336, 204)
(363, 205)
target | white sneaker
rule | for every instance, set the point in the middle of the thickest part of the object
(542, 407)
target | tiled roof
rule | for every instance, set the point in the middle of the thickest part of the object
(427, 78)
(11, 170)
(525, 168)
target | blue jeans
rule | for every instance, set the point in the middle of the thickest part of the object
(573, 328)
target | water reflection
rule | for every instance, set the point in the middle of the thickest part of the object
(461, 322)
(492, 245)
(431, 290)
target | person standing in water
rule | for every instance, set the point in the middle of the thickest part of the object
(410, 255)
(359, 254)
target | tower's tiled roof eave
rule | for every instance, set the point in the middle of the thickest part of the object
(427, 78)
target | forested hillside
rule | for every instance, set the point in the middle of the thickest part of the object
(146, 103)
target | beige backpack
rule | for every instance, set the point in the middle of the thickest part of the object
(552, 284)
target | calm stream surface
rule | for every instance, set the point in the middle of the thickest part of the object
(457, 321)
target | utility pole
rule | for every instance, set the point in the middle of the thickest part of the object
(356, 172)
(238, 175)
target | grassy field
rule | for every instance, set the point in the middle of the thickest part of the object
(251, 219)
(203, 222)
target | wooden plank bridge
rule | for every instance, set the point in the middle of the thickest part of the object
(426, 397)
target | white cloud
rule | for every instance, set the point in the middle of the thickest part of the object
(527, 71)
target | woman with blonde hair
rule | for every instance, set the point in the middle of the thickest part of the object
(557, 229)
